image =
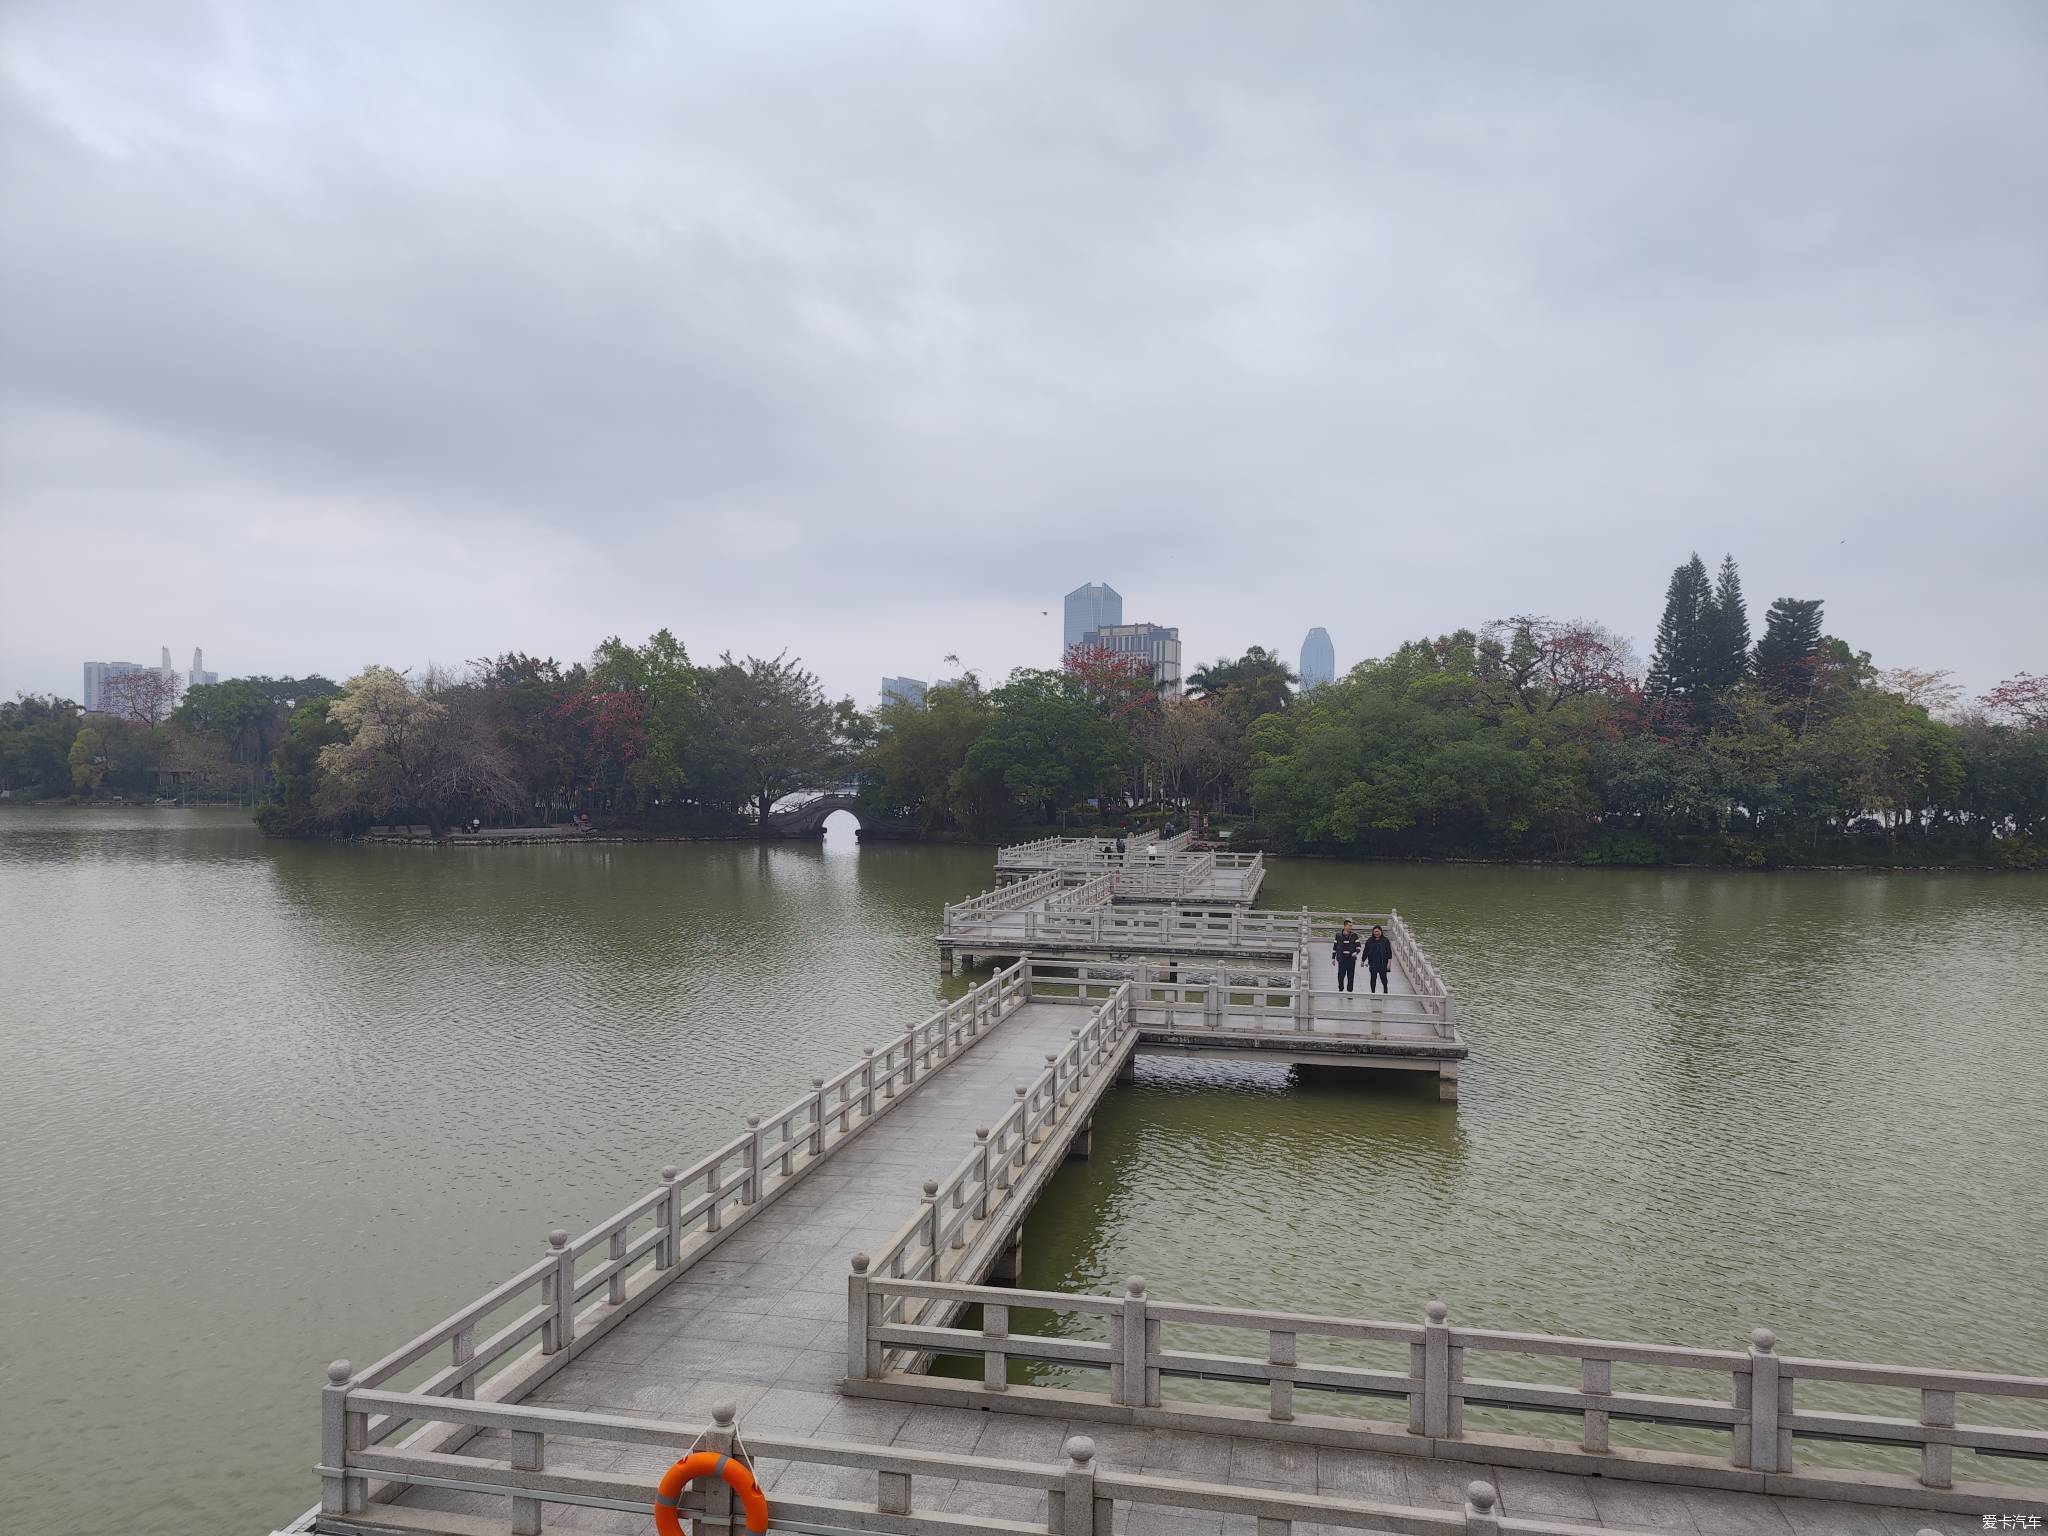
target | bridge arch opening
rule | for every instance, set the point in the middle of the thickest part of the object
(842, 831)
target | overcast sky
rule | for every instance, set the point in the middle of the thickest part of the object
(409, 332)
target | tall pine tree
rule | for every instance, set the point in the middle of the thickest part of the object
(1725, 637)
(1785, 656)
(1677, 665)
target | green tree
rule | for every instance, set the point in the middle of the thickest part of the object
(768, 730)
(1724, 632)
(669, 692)
(425, 750)
(1678, 664)
(1047, 746)
(1784, 660)
(88, 761)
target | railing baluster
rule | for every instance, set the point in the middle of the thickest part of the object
(462, 1350)
(1280, 1351)
(1596, 1379)
(615, 1251)
(529, 1453)
(1937, 1462)
(995, 1365)
(558, 1293)
(668, 1214)
(750, 1190)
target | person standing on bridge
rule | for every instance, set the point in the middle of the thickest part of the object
(1379, 957)
(1345, 952)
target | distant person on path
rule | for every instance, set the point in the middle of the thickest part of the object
(1345, 952)
(1379, 955)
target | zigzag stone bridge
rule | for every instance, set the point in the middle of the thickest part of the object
(782, 1298)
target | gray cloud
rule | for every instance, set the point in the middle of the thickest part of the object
(334, 333)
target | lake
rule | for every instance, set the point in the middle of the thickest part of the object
(269, 1104)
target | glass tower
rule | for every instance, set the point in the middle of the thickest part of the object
(1318, 659)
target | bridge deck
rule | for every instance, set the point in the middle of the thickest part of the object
(761, 1324)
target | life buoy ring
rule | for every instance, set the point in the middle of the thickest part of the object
(738, 1477)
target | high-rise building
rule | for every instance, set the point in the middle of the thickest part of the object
(199, 677)
(1318, 659)
(1156, 643)
(1095, 606)
(96, 675)
(909, 689)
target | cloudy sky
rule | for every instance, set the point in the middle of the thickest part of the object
(403, 332)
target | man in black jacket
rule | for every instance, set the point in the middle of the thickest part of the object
(1345, 953)
(1379, 955)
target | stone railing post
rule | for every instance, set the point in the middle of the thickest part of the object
(615, 1287)
(817, 1117)
(721, 1509)
(1128, 1385)
(1482, 1510)
(930, 1208)
(671, 1245)
(714, 1186)
(750, 1190)
(1078, 1515)
(558, 1293)
(340, 1433)
(867, 1082)
(529, 1454)
(981, 1173)
(1764, 1391)
(863, 1359)
(1937, 1462)
(1442, 1368)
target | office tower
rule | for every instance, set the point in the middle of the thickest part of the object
(96, 675)
(909, 689)
(1156, 643)
(1318, 659)
(1095, 606)
(199, 677)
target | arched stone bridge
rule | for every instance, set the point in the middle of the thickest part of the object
(808, 819)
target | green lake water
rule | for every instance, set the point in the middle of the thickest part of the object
(269, 1104)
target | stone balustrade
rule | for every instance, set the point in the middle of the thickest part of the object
(1755, 1406)
(560, 1459)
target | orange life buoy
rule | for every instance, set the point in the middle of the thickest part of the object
(738, 1476)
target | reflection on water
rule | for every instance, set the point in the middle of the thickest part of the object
(272, 1103)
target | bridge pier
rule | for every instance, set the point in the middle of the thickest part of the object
(1447, 1082)
(945, 958)
(1082, 1147)
(1009, 1264)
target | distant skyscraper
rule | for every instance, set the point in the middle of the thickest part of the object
(1156, 643)
(199, 677)
(1318, 659)
(96, 675)
(1095, 606)
(909, 689)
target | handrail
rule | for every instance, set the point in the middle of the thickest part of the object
(1757, 1412)
(1079, 1495)
(1085, 897)
(641, 1248)
(1005, 898)
(977, 1188)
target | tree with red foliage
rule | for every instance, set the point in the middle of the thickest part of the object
(611, 729)
(2022, 700)
(1120, 681)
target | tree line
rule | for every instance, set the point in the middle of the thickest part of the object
(1525, 737)
(1522, 738)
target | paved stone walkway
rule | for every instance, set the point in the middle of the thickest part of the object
(761, 1324)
